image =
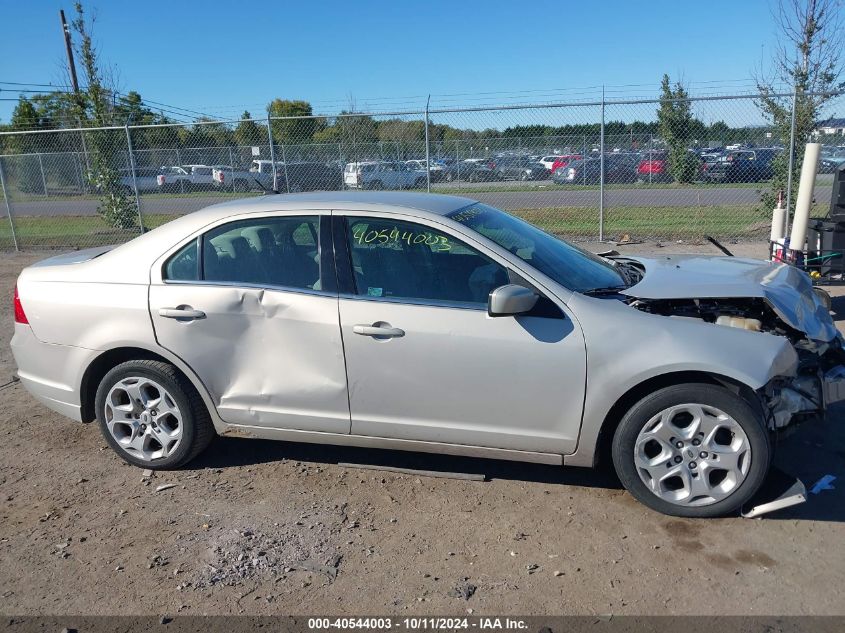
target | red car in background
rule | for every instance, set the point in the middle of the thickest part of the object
(654, 167)
(563, 161)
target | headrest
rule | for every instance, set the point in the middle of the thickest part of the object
(260, 237)
(234, 246)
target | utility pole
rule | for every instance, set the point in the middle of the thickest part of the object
(71, 66)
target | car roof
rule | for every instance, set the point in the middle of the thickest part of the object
(437, 204)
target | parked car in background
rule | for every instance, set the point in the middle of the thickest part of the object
(654, 167)
(563, 161)
(470, 170)
(436, 169)
(549, 161)
(184, 178)
(618, 168)
(146, 179)
(520, 168)
(742, 165)
(309, 176)
(259, 176)
(830, 160)
(383, 175)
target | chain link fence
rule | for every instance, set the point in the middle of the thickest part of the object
(586, 171)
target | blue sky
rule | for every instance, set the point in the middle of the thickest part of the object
(223, 57)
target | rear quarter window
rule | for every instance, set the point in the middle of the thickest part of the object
(184, 265)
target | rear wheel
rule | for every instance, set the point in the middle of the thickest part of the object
(377, 184)
(241, 186)
(151, 415)
(692, 450)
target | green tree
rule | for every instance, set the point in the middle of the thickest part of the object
(809, 60)
(116, 206)
(291, 131)
(248, 133)
(676, 125)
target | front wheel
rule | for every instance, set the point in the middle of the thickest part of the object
(151, 415)
(692, 450)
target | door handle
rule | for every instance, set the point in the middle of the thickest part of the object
(182, 313)
(378, 331)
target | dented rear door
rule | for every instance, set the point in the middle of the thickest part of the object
(269, 356)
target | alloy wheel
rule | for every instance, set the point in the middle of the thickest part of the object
(692, 455)
(143, 418)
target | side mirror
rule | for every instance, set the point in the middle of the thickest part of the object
(511, 300)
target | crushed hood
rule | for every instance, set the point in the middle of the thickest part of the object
(786, 289)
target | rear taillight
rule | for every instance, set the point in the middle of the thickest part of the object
(160, 180)
(20, 315)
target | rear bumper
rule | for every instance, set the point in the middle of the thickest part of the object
(51, 373)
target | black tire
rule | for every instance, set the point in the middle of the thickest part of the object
(241, 186)
(624, 441)
(378, 185)
(197, 428)
(449, 177)
(523, 177)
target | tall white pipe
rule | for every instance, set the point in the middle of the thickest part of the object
(778, 220)
(805, 196)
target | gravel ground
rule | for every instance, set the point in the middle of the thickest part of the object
(261, 527)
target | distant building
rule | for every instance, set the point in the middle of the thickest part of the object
(831, 126)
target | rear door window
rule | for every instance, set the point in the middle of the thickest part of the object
(278, 251)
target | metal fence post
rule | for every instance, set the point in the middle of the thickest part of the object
(342, 167)
(285, 168)
(134, 179)
(427, 150)
(791, 164)
(43, 178)
(272, 153)
(458, 161)
(601, 170)
(8, 206)
(179, 163)
(85, 154)
(232, 169)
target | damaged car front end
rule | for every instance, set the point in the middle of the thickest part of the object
(769, 298)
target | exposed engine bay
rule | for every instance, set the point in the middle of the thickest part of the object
(819, 379)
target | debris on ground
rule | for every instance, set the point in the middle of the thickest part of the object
(463, 589)
(165, 487)
(825, 483)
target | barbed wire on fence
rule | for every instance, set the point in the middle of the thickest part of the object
(581, 169)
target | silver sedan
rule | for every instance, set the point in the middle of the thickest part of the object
(430, 323)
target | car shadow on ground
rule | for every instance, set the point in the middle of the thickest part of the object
(809, 454)
(226, 452)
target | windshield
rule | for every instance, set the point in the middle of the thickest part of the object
(568, 265)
